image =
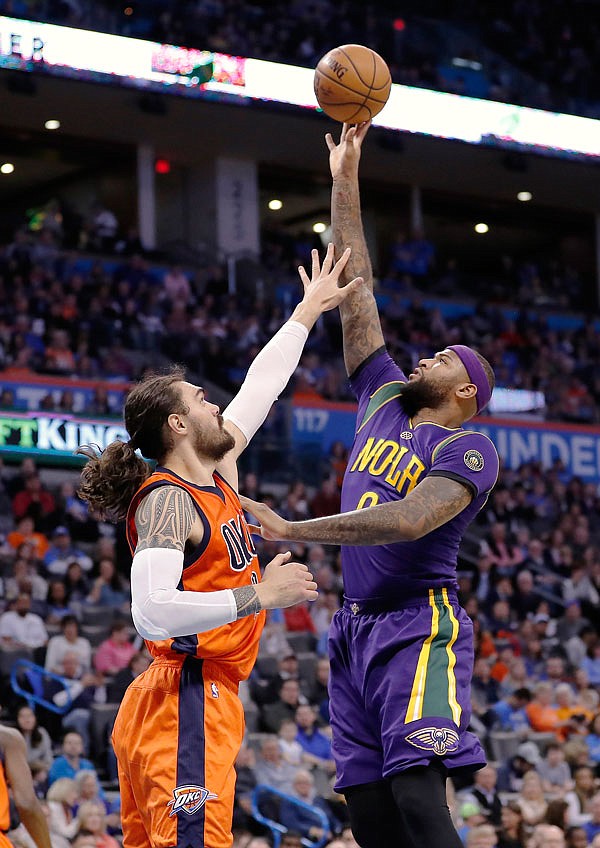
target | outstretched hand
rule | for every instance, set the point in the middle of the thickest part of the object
(322, 290)
(271, 527)
(345, 156)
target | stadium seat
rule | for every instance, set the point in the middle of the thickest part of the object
(96, 633)
(251, 716)
(254, 740)
(267, 665)
(102, 717)
(504, 744)
(301, 642)
(266, 802)
(8, 657)
(94, 616)
(307, 666)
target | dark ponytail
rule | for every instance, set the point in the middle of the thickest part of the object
(112, 477)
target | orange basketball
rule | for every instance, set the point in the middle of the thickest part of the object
(352, 83)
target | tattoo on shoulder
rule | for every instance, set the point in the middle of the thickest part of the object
(165, 518)
(246, 601)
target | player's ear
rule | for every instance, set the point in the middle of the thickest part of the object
(176, 423)
(466, 391)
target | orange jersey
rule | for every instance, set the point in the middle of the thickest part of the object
(225, 559)
(4, 808)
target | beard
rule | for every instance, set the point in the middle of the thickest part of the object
(421, 394)
(213, 444)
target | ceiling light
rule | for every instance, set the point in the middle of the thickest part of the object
(7, 168)
(275, 204)
(524, 196)
(319, 227)
(481, 228)
(52, 124)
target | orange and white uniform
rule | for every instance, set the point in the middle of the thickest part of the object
(181, 723)
(4, 808)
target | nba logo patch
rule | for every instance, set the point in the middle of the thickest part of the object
(214, 690)
(189, 799)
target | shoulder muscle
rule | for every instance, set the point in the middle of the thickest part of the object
(164, 518)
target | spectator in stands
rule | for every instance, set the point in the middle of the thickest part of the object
(510, 712)
(266, 690)
(576, 838)
(244, 786)
(291, 750)
(290, 697)
(115, 653)
(61, 798)
(62, 552)
(83, 688)
(471, 816)
(554, 770)
(71, 760)
(294, 817)
(512, 830)
(593, 742)
(70, 641)
(21, 628)
(91, 818)
(298, 619)
(57, 603)
(138, 663)
(319, 694)
(59, 358)
(547, 836)
(531, 799)
(316, 745)
(580, 796)
(327, 499)
(110, 589)
(592, 827)
(271, 768)
(77, 584)
(25, 578)
(543, 716)
(26, 532)
(591, 663)
(482, 836)
(37, 739)
(484, 794)
(89, 789)
(34, 501)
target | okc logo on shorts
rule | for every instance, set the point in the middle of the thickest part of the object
(188, 799)
(440, 740)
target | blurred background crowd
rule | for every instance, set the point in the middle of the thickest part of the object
(86, 308)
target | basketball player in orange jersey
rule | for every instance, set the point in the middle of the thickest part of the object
(197, 597)
(15, 772)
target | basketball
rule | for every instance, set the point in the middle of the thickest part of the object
(352, 83)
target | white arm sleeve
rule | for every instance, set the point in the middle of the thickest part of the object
(267, 377)
(162, 611)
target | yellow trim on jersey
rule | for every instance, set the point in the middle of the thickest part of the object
(454, 705)
(447, 441)
(415, 704)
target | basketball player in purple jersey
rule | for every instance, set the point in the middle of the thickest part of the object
(401, 647)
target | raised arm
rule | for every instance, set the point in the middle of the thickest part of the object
(432, 503)
(360, 318)
(165, 520)
(270, 372)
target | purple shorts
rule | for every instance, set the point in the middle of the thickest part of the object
(400, 688)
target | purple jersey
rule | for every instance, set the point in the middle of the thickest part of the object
(388, 459)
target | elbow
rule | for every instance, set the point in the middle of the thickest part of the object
(146, 624)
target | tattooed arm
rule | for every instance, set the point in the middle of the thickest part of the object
(432, 503)
(165, 520)
(360, 318)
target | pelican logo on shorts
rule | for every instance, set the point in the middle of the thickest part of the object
(406, 434)
(214, 690)
(440, 740)
(474, 460)
(189, 799)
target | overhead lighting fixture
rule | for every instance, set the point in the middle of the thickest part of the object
(7, 168)
(524, 196)
(52, 124)
(275, 204)
(481, 228)
(319, 227)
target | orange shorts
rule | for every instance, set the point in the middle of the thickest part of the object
(5, 841)
(176, 737)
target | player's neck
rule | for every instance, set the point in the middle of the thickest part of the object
(187, 464)
(444, 416)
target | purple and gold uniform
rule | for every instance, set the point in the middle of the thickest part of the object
(401, 647)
